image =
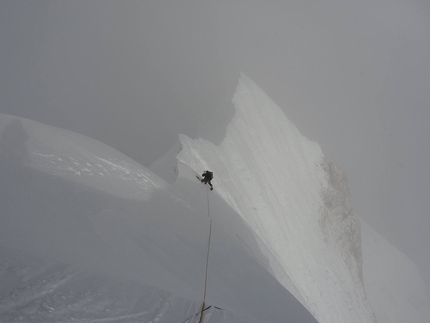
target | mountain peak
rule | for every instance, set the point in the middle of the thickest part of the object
(296, 203)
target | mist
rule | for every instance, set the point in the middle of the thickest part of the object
(352, 76)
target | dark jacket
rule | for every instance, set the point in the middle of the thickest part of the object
(207, 175)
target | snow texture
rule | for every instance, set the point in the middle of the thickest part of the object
(296, 203)
(88, 235)
(393, 283)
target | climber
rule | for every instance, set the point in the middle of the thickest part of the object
(207, 177)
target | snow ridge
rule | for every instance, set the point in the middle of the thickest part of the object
(88, 235)
(296, 203)
(337, 213)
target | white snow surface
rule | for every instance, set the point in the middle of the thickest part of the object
(297, 204)
(393, 283)
(88, 235)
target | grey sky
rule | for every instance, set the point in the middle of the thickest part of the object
(352, 75)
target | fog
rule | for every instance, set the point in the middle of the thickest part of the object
(354, 76)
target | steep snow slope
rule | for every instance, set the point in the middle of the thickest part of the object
(299, 206)
(393, 283)
(36, 289)
(89, 235)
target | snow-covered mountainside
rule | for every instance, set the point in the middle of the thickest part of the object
(88, 235)
(393, 283)
(298, 205)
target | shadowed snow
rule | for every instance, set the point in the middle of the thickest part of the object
(87, 234)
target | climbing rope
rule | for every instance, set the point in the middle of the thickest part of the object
(207, 194)
(207, 263)
(215, 307)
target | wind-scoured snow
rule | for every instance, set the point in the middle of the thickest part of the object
(34, 289)
(83, 159)
(88, 235)
(298, 205)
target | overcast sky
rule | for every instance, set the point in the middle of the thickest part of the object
(352, 75)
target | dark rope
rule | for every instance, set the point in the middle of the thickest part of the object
(207, 263)
(198, 313)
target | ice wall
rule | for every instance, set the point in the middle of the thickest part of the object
(299, 206)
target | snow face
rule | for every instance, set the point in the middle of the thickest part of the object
(88, 235)
(393, 283)
(42, 290)
(298, 205)
(75, 157)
